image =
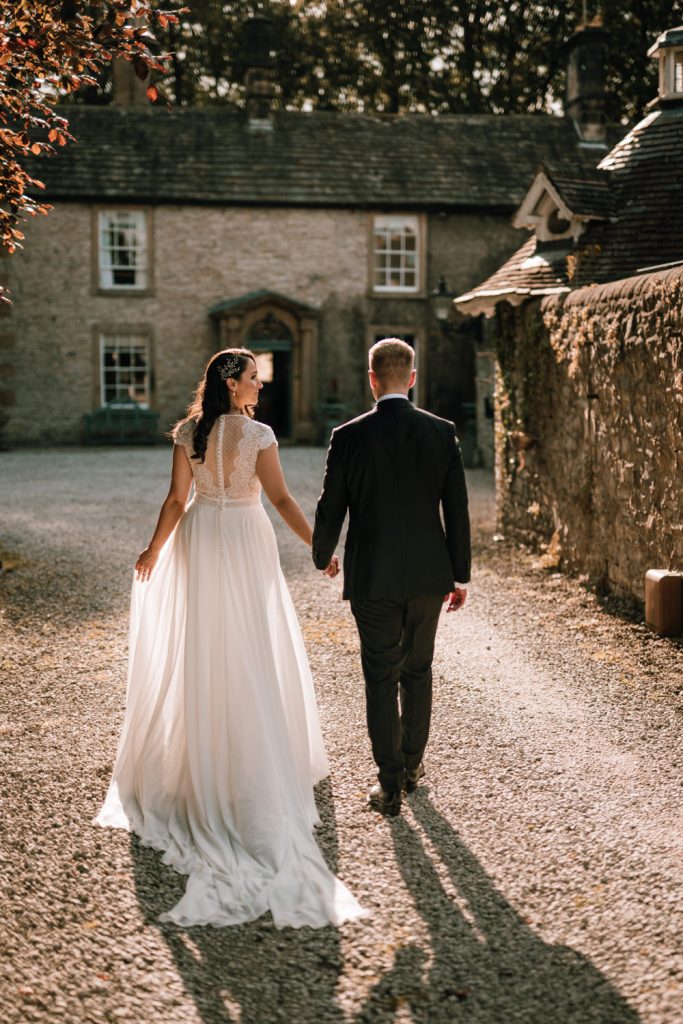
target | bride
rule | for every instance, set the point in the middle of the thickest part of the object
(221, 743)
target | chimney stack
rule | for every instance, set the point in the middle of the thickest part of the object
(128, 89)
(586, 92)
(259, 86)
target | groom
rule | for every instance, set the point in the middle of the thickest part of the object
(398, 471)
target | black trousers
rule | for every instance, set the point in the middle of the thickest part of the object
(397, 647)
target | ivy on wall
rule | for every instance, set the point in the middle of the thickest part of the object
(589, 427)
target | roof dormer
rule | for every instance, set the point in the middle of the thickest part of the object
(559, 207)
(669, 51)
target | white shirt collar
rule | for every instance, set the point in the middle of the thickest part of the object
(384, 397)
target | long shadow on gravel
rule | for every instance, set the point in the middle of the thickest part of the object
(254, 973)
(489, 967)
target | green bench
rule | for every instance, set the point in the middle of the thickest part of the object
(127, 423)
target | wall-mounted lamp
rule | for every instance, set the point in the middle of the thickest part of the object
(442, 301)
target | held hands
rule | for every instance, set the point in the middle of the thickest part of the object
(147, 559)
(332, 569)
(456, 599)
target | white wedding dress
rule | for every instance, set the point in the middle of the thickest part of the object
(221, 743)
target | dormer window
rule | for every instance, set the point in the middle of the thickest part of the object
(669, 51)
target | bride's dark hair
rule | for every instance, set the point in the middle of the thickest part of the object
(212, 397)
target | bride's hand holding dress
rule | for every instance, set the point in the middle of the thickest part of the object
(171, 513)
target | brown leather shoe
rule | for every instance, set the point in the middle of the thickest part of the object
(413, 776)
(385, 803)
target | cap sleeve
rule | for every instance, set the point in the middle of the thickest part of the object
(184, 433)
(267, 437)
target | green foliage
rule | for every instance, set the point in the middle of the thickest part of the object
(631, 75)
(394, 56)
(455, 56)
(50, 49)
(524, 366)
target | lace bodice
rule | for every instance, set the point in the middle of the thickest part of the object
(228, 474)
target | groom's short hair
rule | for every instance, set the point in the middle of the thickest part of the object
(392, 359)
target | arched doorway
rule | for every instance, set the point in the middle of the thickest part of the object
(272, 343)
(283, 332)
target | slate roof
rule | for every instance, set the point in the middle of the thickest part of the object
(585, 190)
(646, 176)
(644, 229)
(672, 37)
(537, 268)
(211, 156)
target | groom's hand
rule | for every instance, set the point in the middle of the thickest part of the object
(456, 599)
(332, 569)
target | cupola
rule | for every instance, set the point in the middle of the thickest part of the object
(669, 51)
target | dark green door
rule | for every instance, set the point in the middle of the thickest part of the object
(271, 342)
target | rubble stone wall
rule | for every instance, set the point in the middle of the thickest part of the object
(589, 428)
(200, 256)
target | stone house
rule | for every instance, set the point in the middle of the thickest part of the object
(588, 332)
(305, 236)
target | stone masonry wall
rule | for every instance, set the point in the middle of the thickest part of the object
(589, 431)
(202, 256)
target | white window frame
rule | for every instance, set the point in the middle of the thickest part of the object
(670, 59)
(130, 223)
(677, 63)
(400, 224)
(122, 341)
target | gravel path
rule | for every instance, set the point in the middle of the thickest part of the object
(536, 878)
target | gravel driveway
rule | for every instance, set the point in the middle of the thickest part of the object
(536, 878)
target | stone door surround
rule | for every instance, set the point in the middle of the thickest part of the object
(234, 317)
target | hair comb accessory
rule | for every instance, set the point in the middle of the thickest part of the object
(229, 368)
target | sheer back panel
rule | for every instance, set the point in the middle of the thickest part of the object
(228, 472)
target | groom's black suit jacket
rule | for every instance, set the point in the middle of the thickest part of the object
(395, 469)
